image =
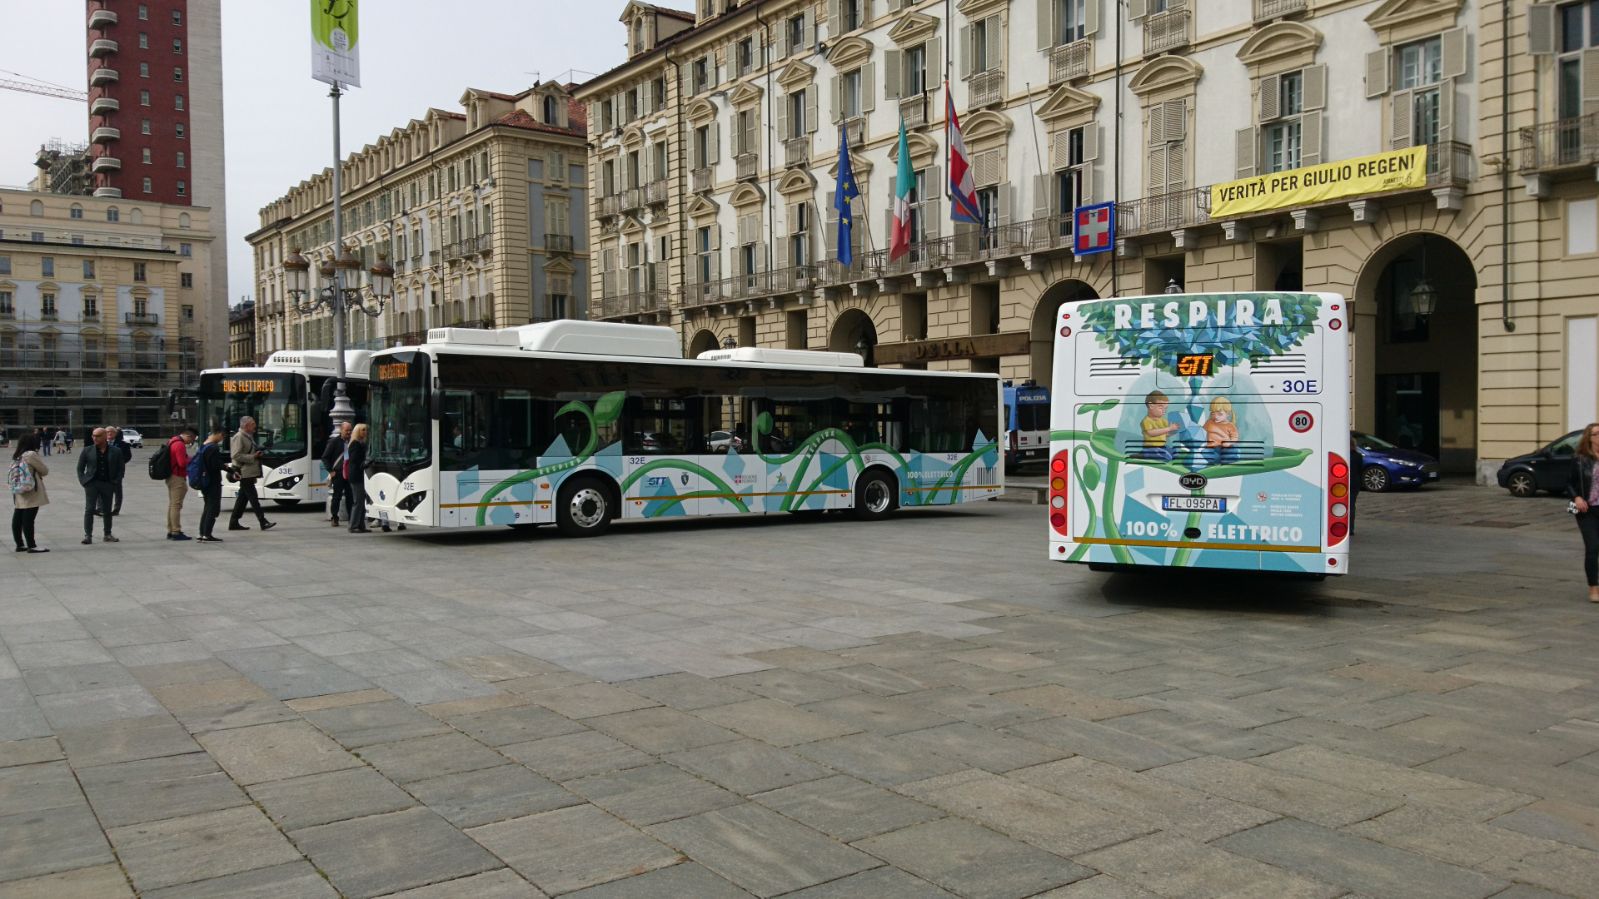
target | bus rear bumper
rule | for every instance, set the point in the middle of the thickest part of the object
(1136, 554)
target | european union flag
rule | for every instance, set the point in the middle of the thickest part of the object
(844, 201)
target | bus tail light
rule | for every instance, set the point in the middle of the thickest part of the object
(1337, 506)
(1059, 479)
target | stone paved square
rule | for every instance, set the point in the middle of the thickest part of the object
(1426, 725)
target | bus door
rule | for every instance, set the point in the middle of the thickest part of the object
(659, 450)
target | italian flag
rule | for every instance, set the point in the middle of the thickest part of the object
(904, 182)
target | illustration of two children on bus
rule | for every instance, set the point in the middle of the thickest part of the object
(1163, 437)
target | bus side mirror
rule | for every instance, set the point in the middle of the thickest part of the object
(436, 404)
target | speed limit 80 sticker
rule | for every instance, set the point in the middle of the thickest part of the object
(1301, 421)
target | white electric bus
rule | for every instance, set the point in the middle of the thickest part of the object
(581, 423)
(290, 398)
(1202, 430)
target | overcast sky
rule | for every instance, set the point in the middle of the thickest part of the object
(414, 54)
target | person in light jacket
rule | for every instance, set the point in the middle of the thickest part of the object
(245, 455)
(27, 505)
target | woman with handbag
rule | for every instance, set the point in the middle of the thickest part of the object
(27, 492)
(355, 477)
(1583, 488)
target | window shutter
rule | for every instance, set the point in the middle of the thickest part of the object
(1446, 106)
(830, 230)
(780, 253)
(1046, 23)
(1541, 29)
(811, 116)
(834, 18)
(1590, 80)
(838, 98)
(1403, 108)
(1376, 73)
(1175, 114)
(932, 222)
(1005, 203)
(1245, 141)
(1091, 17)
(1043, 196)
(1313, 81)
(1156, 175)
(931, 51)
(1453, 44)
(1059, 149)
(1135, 9)
(995, 46)
(783, 49)
(782, 117)
(1175, 5)
(810, 28)
(694, 160)
(894, 70)
(869, 87)
(1090, 143)
(1157, 126)
(1270, 106)
(716, 143)
(1176, 174)
(1310, 137)
(968, 58)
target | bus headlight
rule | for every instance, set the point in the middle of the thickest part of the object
(410, 502)
(288, 483)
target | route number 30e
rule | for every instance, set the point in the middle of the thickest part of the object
(1302, 385)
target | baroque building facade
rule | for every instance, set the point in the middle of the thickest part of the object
(715, 154)
(481, 213)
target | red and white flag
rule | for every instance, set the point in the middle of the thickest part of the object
(962, 190)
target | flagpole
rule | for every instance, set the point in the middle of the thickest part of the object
(949, 100)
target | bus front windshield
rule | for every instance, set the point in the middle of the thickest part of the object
(401, 436)
(275, 400)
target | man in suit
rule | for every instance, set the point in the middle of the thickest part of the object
(338, 487)
(100, 467)
(245, 455)
(113, 436)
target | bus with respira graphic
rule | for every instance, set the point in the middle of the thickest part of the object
(289, 397)
(582, 423)
(1202, 431)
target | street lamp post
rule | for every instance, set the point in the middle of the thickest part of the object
(341, 286)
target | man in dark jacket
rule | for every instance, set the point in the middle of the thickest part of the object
(333, 461)
(100, 468)
(114, 438)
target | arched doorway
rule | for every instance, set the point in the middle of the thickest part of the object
(854, 333)
(1043, 329)
(1416, 362)
(704, 341)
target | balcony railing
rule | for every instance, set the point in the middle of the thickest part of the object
(102, 47)
(1266, 10)
(1071, 61)
(106, 164)
(1564, 143)
(633, 303)
(102, 76)
(855, 131)
(558, 243)
(797, 152)
(611, 205)
(49, 315)
(700, 180)
(987, 88)
(8, 314)
(104, 105)
(913, 110)
(89, 315)
(1164, 212)
(485, 244)
(655, 193)
(1166, 31)
(141, 318)
(747, 166)
(416, 260)
(632, 199)
(1449, 164)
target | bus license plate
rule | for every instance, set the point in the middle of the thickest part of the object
(1193, 503)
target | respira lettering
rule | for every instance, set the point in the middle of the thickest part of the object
(1199, 314)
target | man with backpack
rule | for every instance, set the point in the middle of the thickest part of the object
(171, 464)
(204, 474)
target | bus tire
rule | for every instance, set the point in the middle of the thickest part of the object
(287, 502)
(876, 495)
(584, 507)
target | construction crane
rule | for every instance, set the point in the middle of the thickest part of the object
(43, 88)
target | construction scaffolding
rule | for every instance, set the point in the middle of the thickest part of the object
(51, 377)
(64, 168)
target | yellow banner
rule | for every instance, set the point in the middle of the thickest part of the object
(1396, 170)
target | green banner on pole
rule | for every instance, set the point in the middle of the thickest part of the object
(335, 56)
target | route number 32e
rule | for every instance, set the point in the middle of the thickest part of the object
(1302, 385)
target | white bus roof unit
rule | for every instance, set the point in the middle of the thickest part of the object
(319, 360)
(763, 355)
(571, 336)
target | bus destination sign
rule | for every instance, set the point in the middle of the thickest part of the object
(247, 385)
(394, 371)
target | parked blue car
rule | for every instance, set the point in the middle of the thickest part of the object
(1385, 466)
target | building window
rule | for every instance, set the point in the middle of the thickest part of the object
(1072, 16)
(177, 45)
(186, 279)
(187, 312)
(849, 15)
(6, 307)
(704, 256)
(915, 70)
(550, 117)
(76, 211)
(185, 249)
(144, 41)
(91, 307)
(77, 240)
(37, 237)
(177, 17)
(47, 304)
(181, 160)
(745, 55)
(47, 266)
(138, 271)
(144, 126)
(144, 70)
(177, 73)
(141, 307)
(557, 305)
(36, 208)
(5, 265)
(850, 99)
(144, 98)
(183, 188)
(177, 102)
(88, 269)
(111, 215)
(796, 115)
(146, 156)
(180, 131)
(144, 12)
(795, 29)
(1070, 175)
(1283, 137)
(700, 73)
(148, 186)
(799, 239)
(1419, 68)
(983, 48)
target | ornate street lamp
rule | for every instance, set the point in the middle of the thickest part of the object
(338, 288)
(1423, 296)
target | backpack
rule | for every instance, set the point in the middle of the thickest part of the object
(21, 477)
(161, 463)
(196, 470)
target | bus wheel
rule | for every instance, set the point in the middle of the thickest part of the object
(583, 508)
(287, 502)
(874, 496)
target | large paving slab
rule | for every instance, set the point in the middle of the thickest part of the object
(597, 718)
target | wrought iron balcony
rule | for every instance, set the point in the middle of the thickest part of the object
(1171, 211)
(142, 318)
(986, 88)
(49, 315)
(611, 205)
(1071, 61)
(89, 315)
(1166, 31)
(700, 180)
(747, 166)
(1449, 164)
(485, 244)
(913, 110)
(558, 243)
(1267, 10)
(633, 303)
(797, 152)
(1561, 144)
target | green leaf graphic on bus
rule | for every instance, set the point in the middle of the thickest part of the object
(609, 407)
(1234, 329)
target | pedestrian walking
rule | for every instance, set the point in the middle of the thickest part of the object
(100, 467)
(178, 450)
(355, 475)
(205, 475)
(27, 492)
(333, 460)
(245, 455)
(1583, 488)
(114, 437)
